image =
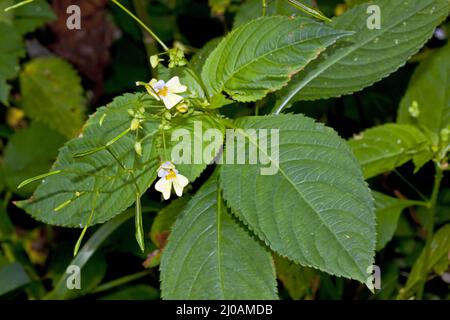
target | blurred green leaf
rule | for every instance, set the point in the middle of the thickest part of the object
(52, 94)
(11, 49)
(88, 250)
(32, 16)
(439, 256)
(12, 277)
(26, 155)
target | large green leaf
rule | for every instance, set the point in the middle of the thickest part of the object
(210, 256)
(384, 148)
(316, 209)
(11, 49)
(262, 55)
(388, 211)
(52, 94)
(29, 17)
(429, 92)
(104, 182)
(26, 156)
(368, 55)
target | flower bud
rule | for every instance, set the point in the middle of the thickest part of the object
(134, 124)
(138, 148)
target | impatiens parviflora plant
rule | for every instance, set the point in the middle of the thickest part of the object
(315, 210)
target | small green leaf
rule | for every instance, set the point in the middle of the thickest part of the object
(262, 55)
(429, 92)
(315, 208)
(52, 94)
(210, 256)
(384, 148)
(34, 15)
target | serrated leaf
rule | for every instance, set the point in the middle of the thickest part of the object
(29, 17)
(368, 55)
(97, 182)
(252, 9)
(316, 208)
(11, 49)
(199, 58)
(386, 147)
(388, 211)
(210, 256)
(27, 156)
(52, 94)
(429, 91)
(262, 55)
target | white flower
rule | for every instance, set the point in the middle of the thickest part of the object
(169, 176)
(167, 91)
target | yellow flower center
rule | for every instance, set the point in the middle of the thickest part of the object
(171, 175)
(163, 91)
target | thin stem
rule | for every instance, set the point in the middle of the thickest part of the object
(149, 42)
(430, 229)
(143, 25)
(264, 7)
(121, 281)
(18, 5)
(412, 187)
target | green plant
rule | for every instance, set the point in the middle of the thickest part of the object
(315, 208)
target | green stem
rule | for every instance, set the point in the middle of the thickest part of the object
(149, 42)
(430, 229)
(143, 25)
(18, 5)
(264, 7)
(121, 281)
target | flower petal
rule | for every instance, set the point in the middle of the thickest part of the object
(179, 183)
(171, 100)
(175, 86)
(164, 186)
